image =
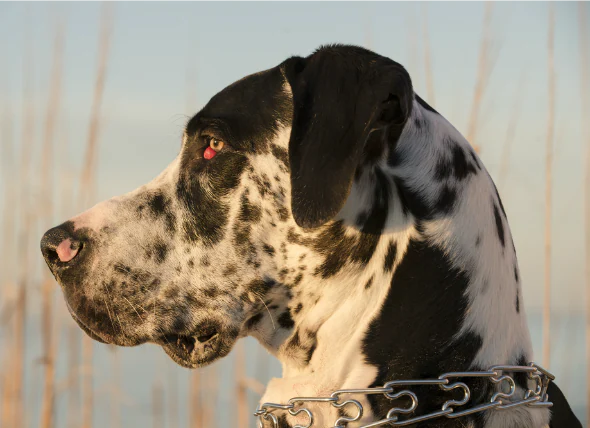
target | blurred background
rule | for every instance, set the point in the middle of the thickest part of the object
(93, 101)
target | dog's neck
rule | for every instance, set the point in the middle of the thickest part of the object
(424, 282)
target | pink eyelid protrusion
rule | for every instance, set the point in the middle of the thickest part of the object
(209, 153)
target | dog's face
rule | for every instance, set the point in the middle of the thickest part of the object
(194, 259)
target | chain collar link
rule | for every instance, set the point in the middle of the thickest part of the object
(503, 399)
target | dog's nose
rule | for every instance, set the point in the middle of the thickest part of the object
(59, 245)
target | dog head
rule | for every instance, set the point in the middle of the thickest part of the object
(217, 246)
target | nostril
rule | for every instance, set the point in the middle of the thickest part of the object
(51, 255)
(67, 250)
(57, 245)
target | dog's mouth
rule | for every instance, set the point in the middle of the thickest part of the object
(196, 350)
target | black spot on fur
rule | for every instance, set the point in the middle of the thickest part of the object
(478, 240)
(446, 200)
(283, 213)
(298, 308)
(424, 279)
(268, 249)
(211, 292)
(297, 279)
(161, 251)
(249, 213)
(260, 286)
(361, 219)
(310, 352)
(390, 257)
(282, 155)
(206, 206)
(172, 292)
(293, 237)
(253, 321)
(338, 248)
(516, 273)
(517, 302)
(499, 225)
(282, 420)
(369, 283)
(285, 320)
(157, 205)
(443, 169)
(191, 263)
(521, 378)
(283, 274)
(411, 200)
(462, 168)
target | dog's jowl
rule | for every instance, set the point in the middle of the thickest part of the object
(324, 208)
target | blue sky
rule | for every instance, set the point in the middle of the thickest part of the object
(155, 46)
(148, 97)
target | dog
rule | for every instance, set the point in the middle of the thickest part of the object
(325, 209)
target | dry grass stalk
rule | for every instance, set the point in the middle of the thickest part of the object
(485, 64)
(172, 397)
(212, 385)
(7, 287)
(195, 404)
(548, 188)
(510, 133)
(427, 57)
(87, 188)
(90, 158)
(26, 214)
(73, 331)
(49, 346)
(116, 394)
(241, 397)
(73, 405)
(412, 24)
(158, 405)
(585, 85)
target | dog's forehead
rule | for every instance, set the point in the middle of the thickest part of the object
(255, 103)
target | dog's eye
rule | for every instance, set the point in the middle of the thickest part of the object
(215, 145)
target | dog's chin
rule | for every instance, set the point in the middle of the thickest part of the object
(197, 350)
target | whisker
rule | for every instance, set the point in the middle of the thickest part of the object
(269, 313)
(109, 312)
(133, 307)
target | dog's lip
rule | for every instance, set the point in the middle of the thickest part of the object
(189, 351)
(200, 348)
(85, 328)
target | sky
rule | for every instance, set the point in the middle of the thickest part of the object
(167, 59)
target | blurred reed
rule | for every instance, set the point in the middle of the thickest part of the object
(203, 396)
(585, 98)
(549, 187)
(484, 69)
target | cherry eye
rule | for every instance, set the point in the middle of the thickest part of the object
(215, 145)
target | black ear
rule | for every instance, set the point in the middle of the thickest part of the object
(340, 95)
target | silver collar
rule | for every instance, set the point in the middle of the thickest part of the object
(501, 376)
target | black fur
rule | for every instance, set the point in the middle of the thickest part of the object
(410, 339)
(370, 91)
(562, 415)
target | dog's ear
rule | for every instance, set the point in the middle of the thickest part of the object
(340, 95)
